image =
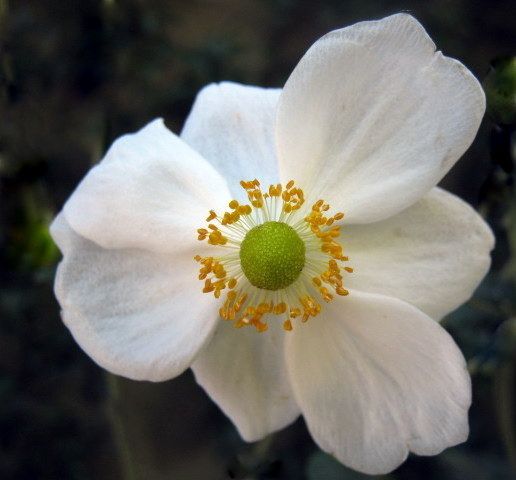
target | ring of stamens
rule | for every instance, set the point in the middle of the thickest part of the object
(322, 273)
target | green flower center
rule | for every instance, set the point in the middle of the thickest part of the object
(272, 255)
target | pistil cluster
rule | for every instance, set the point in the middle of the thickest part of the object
(321, 277)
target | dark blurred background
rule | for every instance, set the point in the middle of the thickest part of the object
(76, 74)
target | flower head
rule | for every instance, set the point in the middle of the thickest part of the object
(291, 247)
(283, 257)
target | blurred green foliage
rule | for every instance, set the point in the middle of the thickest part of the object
(76, 74)
(30, 246)
(500, 88)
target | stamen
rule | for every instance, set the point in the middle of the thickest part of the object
(294, 295)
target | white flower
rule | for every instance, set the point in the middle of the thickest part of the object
(370, 120)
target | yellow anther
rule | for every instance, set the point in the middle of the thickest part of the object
(263, 308)
(208, 287)
(341, 291)
(287, 325)
(280, 308)
(260, 326)
(244, 209)
(246, 185)
(325, 294)
(211, 216)
(240, 302)
(220, 284)
(275, 190)
(226, 219)
(219, 272)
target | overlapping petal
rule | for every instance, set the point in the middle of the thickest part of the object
(232, 126)
(136, 313)
(376, 378)
(372, 117)
(150, 192)
(245, 374)
(432, 255)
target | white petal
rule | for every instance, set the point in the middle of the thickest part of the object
(136, 313)
(232, 126)
(375, 378)
(432, 255)
(152, 191)
(244, 372)
(372, 117)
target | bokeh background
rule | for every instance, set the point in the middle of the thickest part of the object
(74, 75)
